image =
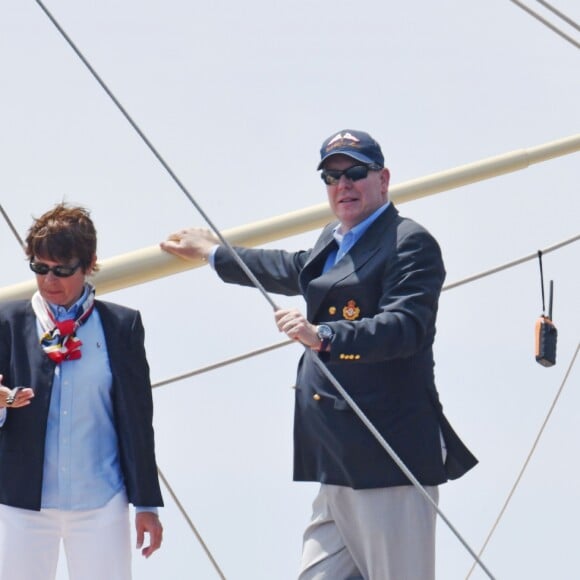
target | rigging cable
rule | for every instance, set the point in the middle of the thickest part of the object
(546, 23)
(258, 285)
(11, 226)
(528, 458)
(156, 153)
(222, 363)
(256, 282)
(191, 525)
(511, 264)
(557, 12)
(319, 363)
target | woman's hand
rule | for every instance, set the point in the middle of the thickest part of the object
(16, 397)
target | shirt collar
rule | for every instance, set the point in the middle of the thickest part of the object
(64, 313)
(358, 230)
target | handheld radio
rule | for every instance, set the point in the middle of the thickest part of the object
(546, 333)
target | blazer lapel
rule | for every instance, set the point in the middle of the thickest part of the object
(319, 285)
(37, 358)
(112, 333)
(313, 267)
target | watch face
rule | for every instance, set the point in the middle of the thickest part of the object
(324, 332)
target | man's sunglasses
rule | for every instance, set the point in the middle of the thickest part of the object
(60, 271)
(354, 173)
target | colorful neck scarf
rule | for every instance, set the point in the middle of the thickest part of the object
(59, 340)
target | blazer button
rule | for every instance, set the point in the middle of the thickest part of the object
(316, 397)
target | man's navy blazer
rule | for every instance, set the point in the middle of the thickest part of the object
(381, 300)
(22, 437)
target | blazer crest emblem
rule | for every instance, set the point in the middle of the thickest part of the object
(351, 311)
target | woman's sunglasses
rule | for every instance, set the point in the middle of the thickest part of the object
(60, 271)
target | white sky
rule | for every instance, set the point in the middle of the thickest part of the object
(238, 97)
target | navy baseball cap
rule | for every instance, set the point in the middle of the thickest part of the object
(356, 144)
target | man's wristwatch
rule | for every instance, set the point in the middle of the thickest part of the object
(325, 334)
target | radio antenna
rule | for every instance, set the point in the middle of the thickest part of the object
(542, 282)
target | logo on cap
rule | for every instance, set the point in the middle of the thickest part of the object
(339, 138)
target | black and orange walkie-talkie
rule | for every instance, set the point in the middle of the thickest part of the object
(546, 333)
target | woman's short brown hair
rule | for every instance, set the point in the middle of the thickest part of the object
(63, 234)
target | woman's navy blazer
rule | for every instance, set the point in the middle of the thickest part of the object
(23, 363)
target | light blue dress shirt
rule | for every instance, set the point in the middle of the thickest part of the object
(347, 241)
(81, 463)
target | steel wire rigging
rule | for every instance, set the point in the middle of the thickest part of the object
(547, 23)
(560, 14)
(527, 460)
(320, 364)
(191, 524)
(256, 283)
